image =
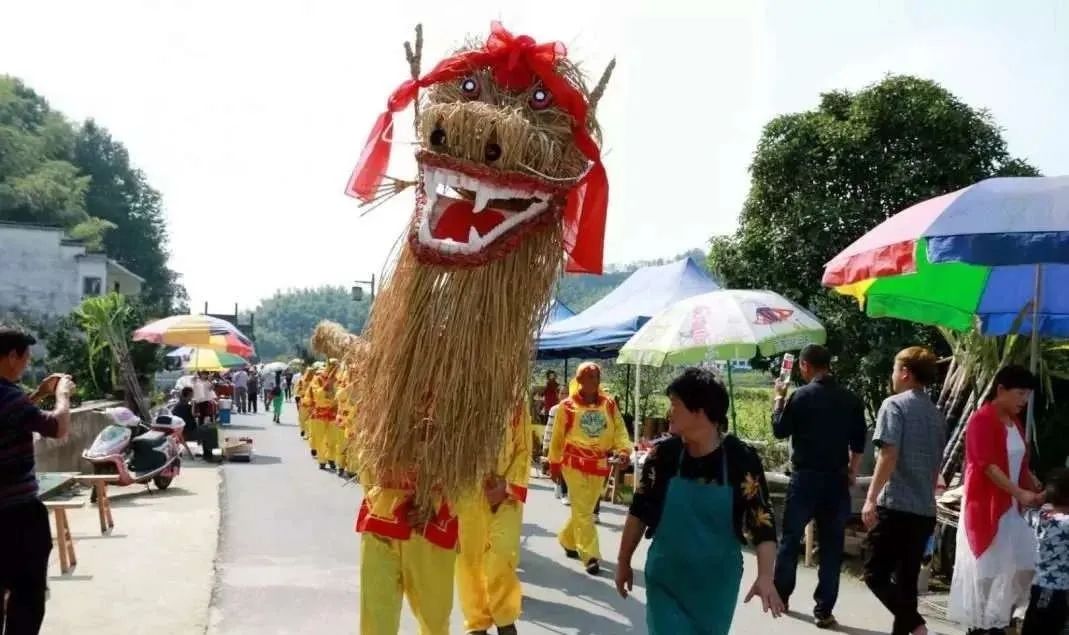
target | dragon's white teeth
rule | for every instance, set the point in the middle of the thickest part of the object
(482, 197)
(473, 237)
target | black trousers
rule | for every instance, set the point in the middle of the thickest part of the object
(25, 543)
(1047, 612)
(896, 548)
(253, 398)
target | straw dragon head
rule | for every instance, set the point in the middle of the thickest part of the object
(507, 143)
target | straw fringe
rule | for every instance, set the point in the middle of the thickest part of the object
(448, 363)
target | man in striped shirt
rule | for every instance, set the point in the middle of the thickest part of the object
(25, 536)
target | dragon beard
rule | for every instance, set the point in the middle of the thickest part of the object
(449, 362)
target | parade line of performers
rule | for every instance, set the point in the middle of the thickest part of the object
(476, 541)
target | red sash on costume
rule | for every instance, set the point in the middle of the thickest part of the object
(442, 530)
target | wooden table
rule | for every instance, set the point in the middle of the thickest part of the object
(63, 539)
(99, 483)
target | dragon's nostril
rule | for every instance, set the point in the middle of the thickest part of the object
(438, 137)
(493, 152)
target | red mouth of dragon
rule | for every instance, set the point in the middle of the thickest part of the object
(467, 213)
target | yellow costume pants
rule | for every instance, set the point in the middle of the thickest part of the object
(490, 592)
(318, 438)
(335, 443)
(413, 568)
(348, 458)
(580, 534)
(302, 420)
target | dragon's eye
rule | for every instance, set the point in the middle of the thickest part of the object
(541, 99)
(469, 86)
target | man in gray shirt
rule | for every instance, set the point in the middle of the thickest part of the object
(899, 511)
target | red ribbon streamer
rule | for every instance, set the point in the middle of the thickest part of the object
(517, 63)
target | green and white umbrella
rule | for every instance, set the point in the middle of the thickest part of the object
(727, 324)
(723, 325)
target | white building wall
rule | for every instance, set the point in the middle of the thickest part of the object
(38, 273)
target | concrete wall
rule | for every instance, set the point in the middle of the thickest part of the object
(121, 281)
(53, 455)
(38, 271)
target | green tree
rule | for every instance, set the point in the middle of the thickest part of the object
(822, 178)
(119, 194)
(80, 179)
(284, 323)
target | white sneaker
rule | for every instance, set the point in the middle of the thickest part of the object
(564, 501)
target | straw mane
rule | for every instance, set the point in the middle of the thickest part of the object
(441, 381)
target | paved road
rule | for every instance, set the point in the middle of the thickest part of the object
(288, 558)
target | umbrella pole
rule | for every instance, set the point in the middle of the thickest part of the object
(731, 396)
(1034, 362)
(638, 397)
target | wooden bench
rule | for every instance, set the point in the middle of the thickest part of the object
(99, 483)
(63, 540)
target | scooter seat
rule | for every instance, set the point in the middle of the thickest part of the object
(148, 440)
(149, 453)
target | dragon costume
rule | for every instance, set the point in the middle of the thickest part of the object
(510, 179)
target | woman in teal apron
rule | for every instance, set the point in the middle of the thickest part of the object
(701, 494)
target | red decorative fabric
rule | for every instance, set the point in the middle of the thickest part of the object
(442, 530)
(517, 63)
(985, 502)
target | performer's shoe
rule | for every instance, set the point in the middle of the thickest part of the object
(323, 466)
(331, 466)
(572, 553)
(343, 473)
(592, 567)
(507, 630)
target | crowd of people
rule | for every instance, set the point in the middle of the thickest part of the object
(699, 497)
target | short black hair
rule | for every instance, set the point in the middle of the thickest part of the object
(1012, 377)
(187, 392)
(1057, 489)
(816, 356)
(699, 389)
(15, 340)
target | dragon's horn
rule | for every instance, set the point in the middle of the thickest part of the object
(599, 90)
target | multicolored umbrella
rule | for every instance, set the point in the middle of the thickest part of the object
(983, 253)
(196, 330)
(198, 359)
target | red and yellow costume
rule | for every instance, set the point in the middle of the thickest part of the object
(323, 412)
(335, 436)
(490, 591)
(584, 436)
(399, 561)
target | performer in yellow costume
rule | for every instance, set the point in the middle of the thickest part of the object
(490, 524)
(307, 409)
(587, 430)
(324, 411)
(298, 398)
(401, 559)
(336, 437)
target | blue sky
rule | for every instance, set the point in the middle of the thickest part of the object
(248, 116)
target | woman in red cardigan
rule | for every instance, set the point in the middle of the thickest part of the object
(996, 551)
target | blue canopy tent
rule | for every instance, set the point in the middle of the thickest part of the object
(600, 331)
(558, 311)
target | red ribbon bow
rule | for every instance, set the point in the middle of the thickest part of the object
(517, 63)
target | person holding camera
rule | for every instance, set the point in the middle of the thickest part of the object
(25, 535)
